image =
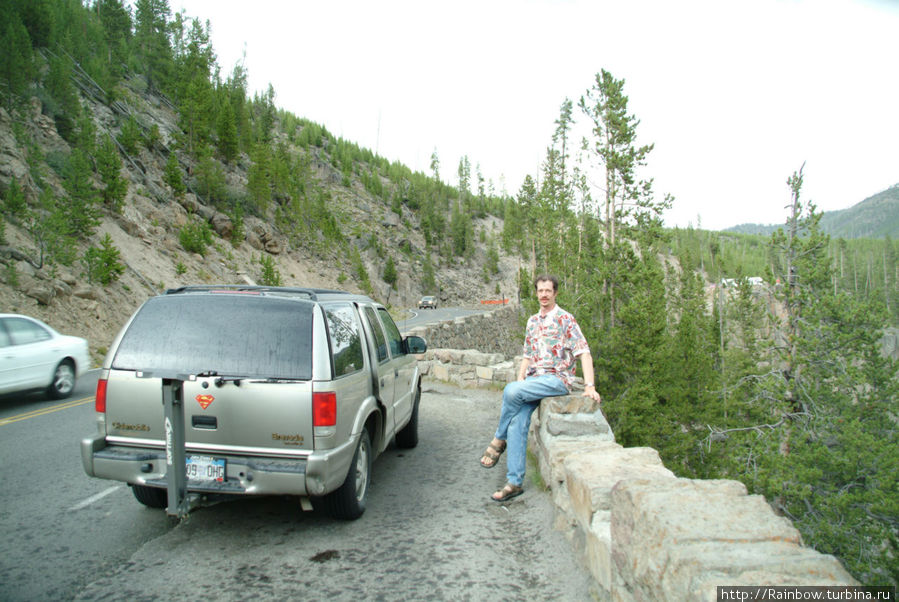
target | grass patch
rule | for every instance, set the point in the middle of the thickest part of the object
(534, 470)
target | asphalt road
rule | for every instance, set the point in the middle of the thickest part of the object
(422, 317)
(430, 531)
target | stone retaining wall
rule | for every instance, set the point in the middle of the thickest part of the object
(645, 534)
(468, 368)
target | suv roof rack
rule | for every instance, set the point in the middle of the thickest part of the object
(310, 293)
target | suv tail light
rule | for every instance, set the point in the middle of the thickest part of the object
(324, 409)
(100, 399)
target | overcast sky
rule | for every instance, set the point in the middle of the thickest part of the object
(734, 95)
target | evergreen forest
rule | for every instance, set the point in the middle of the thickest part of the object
(739, 356)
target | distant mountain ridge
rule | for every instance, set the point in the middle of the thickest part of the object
(875, 217)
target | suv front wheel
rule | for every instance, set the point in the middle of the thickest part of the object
(407, 437)
(347, 502)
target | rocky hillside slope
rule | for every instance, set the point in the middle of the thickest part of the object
(146, 232)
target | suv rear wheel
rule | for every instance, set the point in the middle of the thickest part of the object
(152, 497)
(348, 501)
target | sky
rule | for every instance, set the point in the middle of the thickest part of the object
(734, 96)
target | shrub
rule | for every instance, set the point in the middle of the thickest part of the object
(270, 274)
(58, 162)
(103, 264)
(172, 175)
(238, 230)
(129, 137)
(14, 202)
(195, 237)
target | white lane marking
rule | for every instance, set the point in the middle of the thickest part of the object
(94, 498)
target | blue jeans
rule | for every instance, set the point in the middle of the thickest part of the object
(520, 399)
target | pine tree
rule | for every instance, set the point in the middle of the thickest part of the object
(630, 210)
(435, 165)
(116, 22)
(390, 275)
(17, 66)
(194, 60)
(84, 215)
(109, 166)
(152, 45)
(172, 175)
(818, 438)
(103, 263)
(259, 185)
(428, 282)
(129, 136)
(228, 142)
(14, 203)
(66, 108)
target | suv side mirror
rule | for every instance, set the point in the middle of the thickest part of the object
(415, 344)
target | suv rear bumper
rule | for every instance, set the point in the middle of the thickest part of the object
(316, 474)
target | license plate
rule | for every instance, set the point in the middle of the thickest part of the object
(205, 468)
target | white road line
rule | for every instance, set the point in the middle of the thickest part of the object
(94, 498)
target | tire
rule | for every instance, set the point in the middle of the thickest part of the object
(63, 382)
(151, 497)
(348, 501)
(407, 438)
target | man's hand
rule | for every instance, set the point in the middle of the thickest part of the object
(592, 393)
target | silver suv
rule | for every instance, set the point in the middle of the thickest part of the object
(284, 391)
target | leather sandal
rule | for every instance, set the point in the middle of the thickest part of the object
(492, 454)
(507, 493)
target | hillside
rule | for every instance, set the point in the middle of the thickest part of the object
(146, 230)
(875, 217)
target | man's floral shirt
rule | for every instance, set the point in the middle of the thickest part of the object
(552, 342)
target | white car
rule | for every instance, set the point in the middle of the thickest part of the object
(34, 356)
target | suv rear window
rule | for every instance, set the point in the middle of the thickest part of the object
(346, 342)
(231, 335)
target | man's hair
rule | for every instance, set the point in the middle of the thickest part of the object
(547, 278)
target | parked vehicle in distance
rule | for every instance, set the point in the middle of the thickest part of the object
(34, 356)
(428, 302)
(289, 391)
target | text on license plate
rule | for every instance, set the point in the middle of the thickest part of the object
(205, 468)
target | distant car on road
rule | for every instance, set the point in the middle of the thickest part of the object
(428, 302)
(34, 356)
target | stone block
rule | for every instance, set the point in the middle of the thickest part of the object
(577, 425)
(591, 475)
(440, 372)
(675, 535)
(480, 359)
(599, 549)
(697, 569)
(557, 450)
(484, 372)
(569, 404)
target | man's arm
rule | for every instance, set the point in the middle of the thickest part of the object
(589, 382)
(523, 370)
